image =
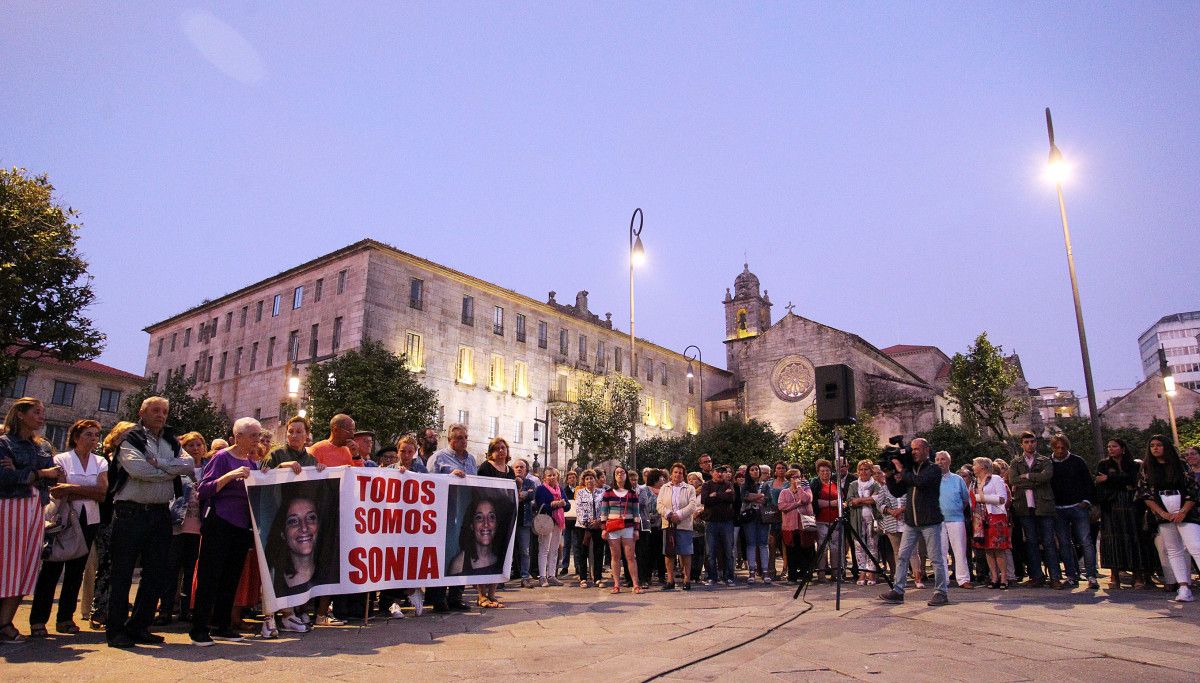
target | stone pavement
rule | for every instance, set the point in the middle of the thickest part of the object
(554, 633)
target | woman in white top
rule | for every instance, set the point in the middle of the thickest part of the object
(84, 483)
(990, 519)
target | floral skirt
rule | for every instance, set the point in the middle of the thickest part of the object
(997, 534)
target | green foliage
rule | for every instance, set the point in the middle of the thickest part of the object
(963, 446)
(980, 385)
(662, 451)
(44, 283)
(375, 387)
(189, 411)
(597, 424)
(736, 442)
(812, 441)
(1079, 431)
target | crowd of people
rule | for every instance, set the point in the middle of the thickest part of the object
(176, 506)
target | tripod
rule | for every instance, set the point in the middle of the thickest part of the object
(841, 528)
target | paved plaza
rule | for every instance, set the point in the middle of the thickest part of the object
(555, 633)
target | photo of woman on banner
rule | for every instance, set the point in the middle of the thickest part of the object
(301, 546)
(485, 529)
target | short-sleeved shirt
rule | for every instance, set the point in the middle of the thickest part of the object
(285, 454)
(329, 455)
(83, 475)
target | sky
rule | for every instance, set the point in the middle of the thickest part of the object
(878, 165)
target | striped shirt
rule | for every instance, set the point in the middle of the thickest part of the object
(620, 507)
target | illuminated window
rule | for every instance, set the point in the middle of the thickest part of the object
(496, 376)
(414, 352)
(521, 378)
(693, 425)
(666, 422)
(466, 360)
(650, 418)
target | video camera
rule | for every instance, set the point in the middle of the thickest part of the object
(896, 450)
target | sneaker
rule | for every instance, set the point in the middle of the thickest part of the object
(729, 582)
(767, 580)
(710, 583)
(395, 612)
(200, 639)
(687, 585)
(304, 618)
(892, 596)
(418, 602)
(554, 581)
(1184, 594)
(227, 634)
(938, 600)
(750, 580)
(527, 583)
(329, 620)
(269, 632)
(121, 640)
(545, 583)
(293, 624)
(1093, 584)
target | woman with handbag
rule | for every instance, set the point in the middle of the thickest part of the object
(24, 470)
(1171, 496)
(799, 542)
(550, 506)
(495, 466)
(861, 501)
(1123, 544)
(589, 547)
(753, 525)
(86, 482)
(621, 522)
(771, 515)
(989, 520)
(677, 503)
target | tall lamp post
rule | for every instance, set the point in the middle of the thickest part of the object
(1168, 379)
(637, 256)
(698, 357)
(1057, 172)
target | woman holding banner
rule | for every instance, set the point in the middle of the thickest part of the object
(550, 501)
(621, 520)
(497, 467)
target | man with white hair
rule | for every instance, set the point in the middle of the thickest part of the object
(955, 503)
(143, 481)
(456, 461)
(923, 517)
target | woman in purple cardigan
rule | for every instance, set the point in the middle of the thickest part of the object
(225, 534)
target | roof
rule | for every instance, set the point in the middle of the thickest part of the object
(1157, 377)
(48, 358)
(895, 349)
(724, 395)
(871, 348)
(1172, 318)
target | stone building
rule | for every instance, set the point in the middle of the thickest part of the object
(1146, 402)
(497, 359)
(1053, 403)
(71, 391)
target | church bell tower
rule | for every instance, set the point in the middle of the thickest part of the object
(747, 312)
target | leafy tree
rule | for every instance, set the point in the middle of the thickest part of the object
(663, 451)
(981, 385)
(737, 442)
(597, 424)
(812, 441)
(963, 445)
(190, 411)
(375, 387)
(44, 283)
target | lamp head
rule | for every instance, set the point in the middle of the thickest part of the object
(293, 385)
(303, 412)
(690, 374)
(638, 256)
(1057, 170)
(1169, 385)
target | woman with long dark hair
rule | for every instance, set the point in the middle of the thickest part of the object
(496, 466)
(1123, 546)
(621, 522)
(1171, 494)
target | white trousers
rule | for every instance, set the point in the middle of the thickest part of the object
(548, 553)
(954, 539)
(1179, 541)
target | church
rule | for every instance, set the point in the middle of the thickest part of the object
(772, 365)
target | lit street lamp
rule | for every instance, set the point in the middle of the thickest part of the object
(1056, 172)
(698, 357)
(1168, 379)
(637, 256)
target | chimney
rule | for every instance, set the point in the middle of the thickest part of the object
(581, 305)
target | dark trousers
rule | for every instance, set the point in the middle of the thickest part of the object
(1040, 528)
(801, 558)
(589, 554)
(72, 579)
(181, 565)
(698, 556)
(223, 548)
(138, 532)
(650, 560)
(444, 595)
(568, 545)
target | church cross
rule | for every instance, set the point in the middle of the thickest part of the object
(790, 306)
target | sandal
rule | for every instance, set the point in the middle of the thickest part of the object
(66, 627)
(639, 590)
(38, 631)
(583, 584)
(9, 635)
(615, 589)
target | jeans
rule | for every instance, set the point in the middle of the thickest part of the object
(523, 539)
(71, 572)
(954, 538)
(568, 546)
(1073, 522)
(756, 546)
(719, 539)
(138, 531)
(548, 553)
(1041, 528)
(932, 533)
(223, 549)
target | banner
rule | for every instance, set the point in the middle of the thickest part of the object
(355, 529)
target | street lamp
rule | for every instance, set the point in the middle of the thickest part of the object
(293, 384)
(1057, 172)
(698, 357)
(1168, 379)
(637, 256)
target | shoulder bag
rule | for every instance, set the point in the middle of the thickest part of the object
(63, 536)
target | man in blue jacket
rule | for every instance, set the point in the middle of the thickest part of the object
(922, 518)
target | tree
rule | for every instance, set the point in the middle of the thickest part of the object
(737, 442)
(812, 441)
(963, 445)
(190, 412)
(981, 385)
(597, 424)
(663, 451)
(375, 387)
(44, 283)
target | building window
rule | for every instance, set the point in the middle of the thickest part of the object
(243, 316)
(110, 400)
(693, 426)
(221, 367)
(258, 413)
(174, 337)
(64, 393)
(666, 422)
(342, 275)
(298, 297)
(57, 436)
(195, 373)
(16, 388)
(253, 356)
(228, 321)
(468, 310)
(723, 416)
(187, 337)
(237, 362)
(601, 359)
(493, 427)
(662, 374)
(521, 379)
(564, 342)
(317, 289)
(464, 418)
(271, 352)
(337, 335)
(293, 351)
(519, 431)
(649, 371)
(208, 369)
(275, 304)
(617, 360)
(414, 352)
(583, 348)
(543, 333)
(416, 293)
(258, 312)
(649, 417)
(496, 376)
(212, 329)
(465, 372)
(160, 345)
(498, 321)
(521, 327)
(312, 341)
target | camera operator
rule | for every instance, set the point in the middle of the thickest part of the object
(923, 516)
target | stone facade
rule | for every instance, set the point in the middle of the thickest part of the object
(1053, 403)
(497, 359)
(1146, 402)
(86, 390)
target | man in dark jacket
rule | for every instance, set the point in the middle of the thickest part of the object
(1073, 494)
(922, 519)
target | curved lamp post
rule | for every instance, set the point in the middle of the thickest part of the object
(700, 358)
(637, 256)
